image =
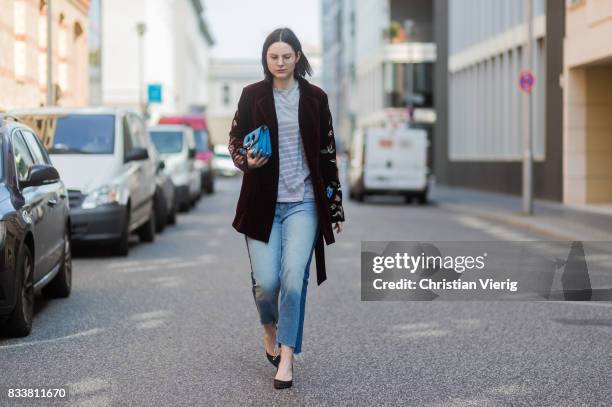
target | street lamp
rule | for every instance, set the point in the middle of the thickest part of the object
(141, 29)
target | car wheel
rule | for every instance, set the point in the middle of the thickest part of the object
(422, 198)
(60, 286)
(20, 321)
(147, 231)
(161, 212)
(122, 247)
(172, 215)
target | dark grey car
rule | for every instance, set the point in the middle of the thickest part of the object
(35, 249)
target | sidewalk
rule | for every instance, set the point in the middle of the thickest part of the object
(552, 220)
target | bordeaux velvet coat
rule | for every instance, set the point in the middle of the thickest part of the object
(257, 201)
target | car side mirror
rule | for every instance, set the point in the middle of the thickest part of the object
(137, 154)
(161, 165)
(40, 174)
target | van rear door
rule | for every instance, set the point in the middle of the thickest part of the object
(395, 159)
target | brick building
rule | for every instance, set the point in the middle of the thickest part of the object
(23, 53)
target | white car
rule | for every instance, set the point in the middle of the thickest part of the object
(177, 148)
(103, 155)
(222, 161)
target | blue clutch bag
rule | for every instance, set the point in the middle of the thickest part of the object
(259, 141)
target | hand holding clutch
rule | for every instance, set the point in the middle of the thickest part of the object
(258, 141)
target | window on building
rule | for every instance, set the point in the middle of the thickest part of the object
(42, 44)
(20, 39)
(62, 51)
(226, 94)
(409, 85)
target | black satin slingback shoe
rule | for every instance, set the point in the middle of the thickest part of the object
(284, 384)
(275, 360)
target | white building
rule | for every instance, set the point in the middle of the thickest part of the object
(480, 107)
(339, 74)
(174, 49)
(378, 57)
(226, 80)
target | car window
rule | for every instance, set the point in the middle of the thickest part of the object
(23, 157)
(139, 137)
(35, 147)
(167, 142)
(84, 134)
(201, 140)
(127, 135)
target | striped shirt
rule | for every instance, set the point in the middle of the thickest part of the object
(294, 184)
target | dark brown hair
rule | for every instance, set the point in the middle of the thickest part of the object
(302, 67)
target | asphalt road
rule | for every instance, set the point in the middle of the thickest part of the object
(175, 324)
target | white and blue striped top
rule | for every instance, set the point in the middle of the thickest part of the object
(294, 182)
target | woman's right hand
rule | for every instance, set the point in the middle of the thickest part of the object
(256, 161)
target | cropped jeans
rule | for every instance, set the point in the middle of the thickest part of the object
(280, 268)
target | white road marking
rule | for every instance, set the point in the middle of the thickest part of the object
(420, 334)
(88, 386)
(142, 263)
(77, 335)
(415, 326)
(162, 313)
(498, 231)
(154, 323)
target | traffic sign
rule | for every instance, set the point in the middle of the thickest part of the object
(526, 81)
(154, 93)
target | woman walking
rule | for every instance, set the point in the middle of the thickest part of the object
(289, 201)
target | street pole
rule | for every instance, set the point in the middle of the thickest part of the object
(141, 29)
(50, 96)
(528, 120)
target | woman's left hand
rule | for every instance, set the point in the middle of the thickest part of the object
(338, 227)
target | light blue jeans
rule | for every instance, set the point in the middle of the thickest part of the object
(282, 266)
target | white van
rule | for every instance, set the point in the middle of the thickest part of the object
(389, 161)
(104, 157)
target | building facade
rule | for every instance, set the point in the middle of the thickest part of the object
(587, 79)
(338, 58)
(478, 134)
(227, 77)
(94, 40)
(23, 51)
(164, 43)
(378, 58)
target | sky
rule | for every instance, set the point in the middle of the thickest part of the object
(239, 27)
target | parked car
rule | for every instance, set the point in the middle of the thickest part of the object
(164, 202)
(35, 249)
(176, 146)
(389, 161)
(222, 162)
(105, 158)
(204, 146)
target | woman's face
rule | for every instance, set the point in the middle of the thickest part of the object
(281, 60)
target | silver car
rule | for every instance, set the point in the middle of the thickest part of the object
(176, 145)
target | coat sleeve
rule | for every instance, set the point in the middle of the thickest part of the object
(237, 133)
(329, 168)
